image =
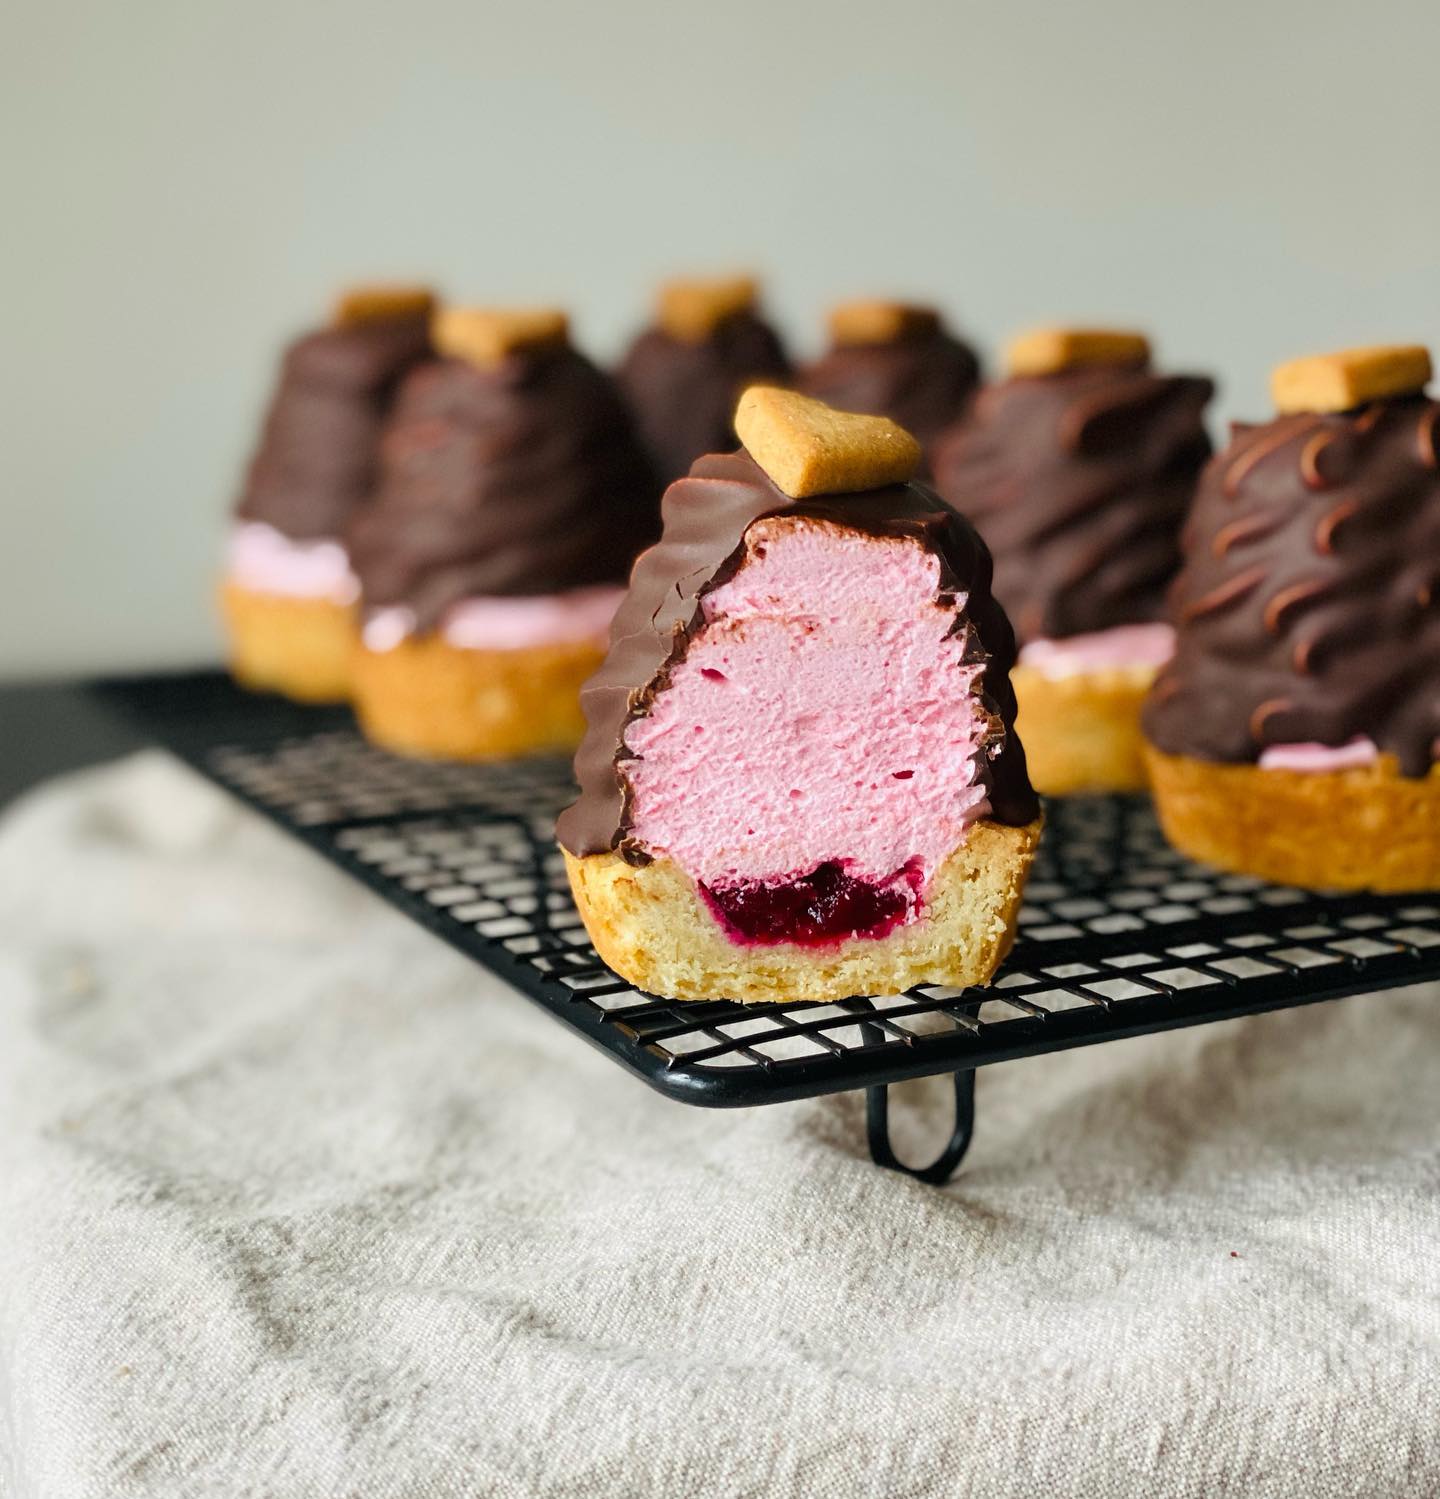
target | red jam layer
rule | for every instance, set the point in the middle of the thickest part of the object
(820, 908)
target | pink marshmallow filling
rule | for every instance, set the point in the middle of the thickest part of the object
(813, 758)
(264, 560)
(508, 624)
(1318, 757)
(1124, 647)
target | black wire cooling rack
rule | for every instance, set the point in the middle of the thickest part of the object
(1119, 935)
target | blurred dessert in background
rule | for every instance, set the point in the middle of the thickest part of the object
(513, 495)
(1294, 734)
(894, 359)
(1077, 468)
(289, 594)
(683, 376)
(800, 778)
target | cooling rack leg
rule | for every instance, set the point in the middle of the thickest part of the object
(942, 1168)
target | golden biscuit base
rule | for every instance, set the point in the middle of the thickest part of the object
(1082, 733)
(1368, 828)
(652, 927)
(1048, 351)
(809, 448)
(876, 322)
(692, 310)
(1350, 377)
(434, 700)
(299, 647)
(381, 303)
(487, 336)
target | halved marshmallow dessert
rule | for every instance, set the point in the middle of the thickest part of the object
(289, 593)
(513, 495)
(1295, 733)
(800, 778)
(1077, 469)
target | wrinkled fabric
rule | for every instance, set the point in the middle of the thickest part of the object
(294, 1201)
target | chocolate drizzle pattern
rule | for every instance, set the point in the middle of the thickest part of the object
(683, 394)
(525, 478)
(706, 515)
(922, 380)
(1079, 482)
(315, 462)
(1308, 608)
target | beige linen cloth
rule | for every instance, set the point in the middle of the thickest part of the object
(296, 1202)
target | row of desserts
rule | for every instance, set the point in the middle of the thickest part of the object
(753, 771)
(802, 776)
(481, 483)
(478, 484)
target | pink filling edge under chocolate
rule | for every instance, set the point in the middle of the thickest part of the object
(1123, 648)
(576, 617)
(1312, 757)
(263, 560)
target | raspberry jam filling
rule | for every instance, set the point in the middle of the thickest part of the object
(825, 906)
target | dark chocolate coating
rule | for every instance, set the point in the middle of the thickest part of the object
(706, 515)
(522, 479)
(683, 394)
(922, 380)
(1308, 609)
(1079, 481)
(315, 462)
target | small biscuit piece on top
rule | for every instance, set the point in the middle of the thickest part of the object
(381, 302)
(1048, 351)
(808, 449)
(486, 336)
(691, 310)
(878, 322)
(1349, 378)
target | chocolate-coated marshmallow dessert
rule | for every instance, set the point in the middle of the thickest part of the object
(898, 360)
(683, 376)
(1077, 469)
(800, 777)
(513, 495)
(1294, 733)
(289, 591)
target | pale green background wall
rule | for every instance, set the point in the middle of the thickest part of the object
(184, 181)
